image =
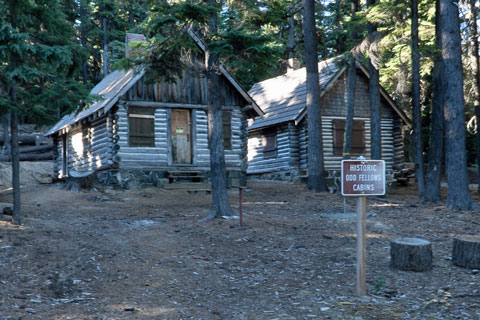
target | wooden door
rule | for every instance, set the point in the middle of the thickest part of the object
(181, 136)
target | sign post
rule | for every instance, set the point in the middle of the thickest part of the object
(362, 178)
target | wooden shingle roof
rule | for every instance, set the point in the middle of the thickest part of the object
(110, 89)
(283, 98)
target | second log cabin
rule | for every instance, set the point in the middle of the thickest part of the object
(277, 142)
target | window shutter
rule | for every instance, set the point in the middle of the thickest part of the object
(358, 134)
(338, 133)
(141, 126)
(227, 129)
(269, 142)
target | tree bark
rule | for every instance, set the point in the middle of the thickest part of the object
(475, 60)
(83, 38)
(6, 136)
(454, 108)
(105, 47)
(316, 180)
(291, 38)
(466, 252)
(220, 202)
(416, 112)
(374, 85)
(477, 136)
(15, 164)
(351, 80)
(411, 254)
(435, 152)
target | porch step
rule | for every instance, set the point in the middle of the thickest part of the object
(189, 186)
(184, 176)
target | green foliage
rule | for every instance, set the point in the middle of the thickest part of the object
(249, 53)
(39, 60)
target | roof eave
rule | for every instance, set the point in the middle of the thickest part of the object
(105, 109)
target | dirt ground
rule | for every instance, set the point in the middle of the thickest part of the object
(112, 254)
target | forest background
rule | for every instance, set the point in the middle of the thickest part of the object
(54, 51)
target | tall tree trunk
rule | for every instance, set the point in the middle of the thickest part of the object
(340, 46)
(6, 136)
(435, 152)
(351, 80)
(15, 157)
(454, 108)
(374, 86)
(416, 112)
(477, 136)
(220, 203)
(316, 179)
(83, 38)
(291, 38)
(475, 59)
(105, 47)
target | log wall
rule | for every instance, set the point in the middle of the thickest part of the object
(191, 88)
(292, 139)
(87, 148)
(283, 161)
(160, 155)
(332, 161)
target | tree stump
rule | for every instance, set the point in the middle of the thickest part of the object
(466, 252)
(411, 254)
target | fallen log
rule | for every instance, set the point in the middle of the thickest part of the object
(30, 157)
(466, 252)
(411, 254)
(44, 147)
(24, 139)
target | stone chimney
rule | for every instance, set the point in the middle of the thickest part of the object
(132, 37)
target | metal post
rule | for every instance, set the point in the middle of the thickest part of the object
(240, 204)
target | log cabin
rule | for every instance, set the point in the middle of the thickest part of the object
(152, 132)
(277, 142)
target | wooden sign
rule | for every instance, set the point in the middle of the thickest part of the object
(363, 177)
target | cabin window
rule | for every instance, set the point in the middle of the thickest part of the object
(141, 127)
(269, 142)
(358, 140)
(227, 129)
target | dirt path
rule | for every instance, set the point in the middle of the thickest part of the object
(142, 255)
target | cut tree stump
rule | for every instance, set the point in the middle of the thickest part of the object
(466, 252)
(411, 254)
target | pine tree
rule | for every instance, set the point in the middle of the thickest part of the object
(454, 108)
(374, 88)
(435, 152)
(351, 81)
(416, 112)
(475, 60)
(41, 62)
(316, 179)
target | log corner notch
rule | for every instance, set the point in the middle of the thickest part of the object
(466, 252)
(411, 254)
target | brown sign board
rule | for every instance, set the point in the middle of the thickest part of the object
(363, 177)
